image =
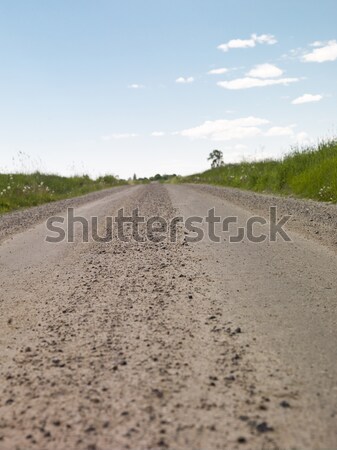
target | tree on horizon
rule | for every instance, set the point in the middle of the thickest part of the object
(216, 158)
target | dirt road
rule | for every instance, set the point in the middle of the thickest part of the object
(161, 344)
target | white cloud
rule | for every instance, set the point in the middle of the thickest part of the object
(303, 138)
(237, 43)
(118, 136)
(240, 147)
(294, 53)
(218, 71)
(265, 71)
(249, 82)
(158, 134)
(248, 43)
(265, 39)
(236, 129)
(317, 44)
(136, 86)
(183, 80)
(280, 131)
(307, 98)
(226, 130)
(327, 52)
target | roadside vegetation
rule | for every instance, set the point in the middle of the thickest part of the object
(22, 190)
(309, 172)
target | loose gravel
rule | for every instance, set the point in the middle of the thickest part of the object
(313, 219)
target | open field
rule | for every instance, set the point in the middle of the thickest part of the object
(310, 172)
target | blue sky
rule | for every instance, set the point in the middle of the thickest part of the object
(129, 86)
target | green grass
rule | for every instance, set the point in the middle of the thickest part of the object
(309, 173)
(20, 190)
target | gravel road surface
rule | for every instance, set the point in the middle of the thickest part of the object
(169, 344)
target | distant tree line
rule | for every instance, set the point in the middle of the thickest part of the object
(156, 177)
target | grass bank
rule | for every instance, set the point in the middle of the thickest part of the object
(309, 173)
(22, 190)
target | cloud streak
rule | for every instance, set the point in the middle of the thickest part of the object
(248, 43)
(236, 129)
(185, 80)
(322, 53)
(135, 86)
(307, 98)
(113, 136)
(219, 71)
(226, 130)
(250, 82)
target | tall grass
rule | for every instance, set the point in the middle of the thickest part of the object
(22, 190)
(309, 173)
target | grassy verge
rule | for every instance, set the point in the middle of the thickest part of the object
(309, 173)
(21, 190)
